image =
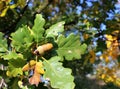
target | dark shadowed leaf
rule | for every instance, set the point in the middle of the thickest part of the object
(3, 44)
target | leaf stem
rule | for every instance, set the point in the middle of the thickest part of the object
(43, 58)
(36, 58)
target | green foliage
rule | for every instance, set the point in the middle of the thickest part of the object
(25, 40)
(12, 55)
(22, 39)
(15, 67)
(84, 17)
(60, 77)
(3, 44)
(55, 30)
(38, 29)
(92, 19)
(70, 47)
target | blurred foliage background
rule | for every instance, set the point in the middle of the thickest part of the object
(97, 22)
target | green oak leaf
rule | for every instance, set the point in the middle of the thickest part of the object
(38, 30)
(12, 55)
(59, 76)
(21, 39)
(15, 67)
(70, 47)
(16, 71)
(55, 29)
(3, 44)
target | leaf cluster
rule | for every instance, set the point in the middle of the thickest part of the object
(24, 42)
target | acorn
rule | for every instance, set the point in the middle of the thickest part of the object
(43, 48)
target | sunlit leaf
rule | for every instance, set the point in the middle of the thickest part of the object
(59, 76)
(22, 39)
(4, 12)
(55, 30)
(4, 7)
(70, 47)
(38, 29)
(39, 68)
(12, 55)
(13, 6)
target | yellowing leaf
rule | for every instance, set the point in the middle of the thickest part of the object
(96, 12)
(85, 36)
(109, 37)
(29, 65)
(20, 84)
(110, 40)
(39, 68)
(108, 44)
(109, 79)
(117, 82)
(92, 59)
(85, 21)
(13, 6)
(4, 12)
(8, 73)
(105, 57)
(103, 76)
(22, 3)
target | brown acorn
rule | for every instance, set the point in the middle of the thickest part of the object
(43, 48)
